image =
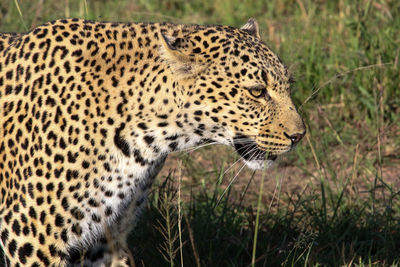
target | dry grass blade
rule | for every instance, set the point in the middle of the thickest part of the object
(67, 10)
(179, 174)
(20, 14)
(337, 136)
(354, 171)
(168, 224)
(229, 185)
(314, 155)
(191, 238)
(253, 257)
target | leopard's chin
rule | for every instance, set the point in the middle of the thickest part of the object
(259, 164)
(254, 157)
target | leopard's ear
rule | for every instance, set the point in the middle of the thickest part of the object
(174, 51)
(251, 27)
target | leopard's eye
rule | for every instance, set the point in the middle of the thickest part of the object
(258, 93)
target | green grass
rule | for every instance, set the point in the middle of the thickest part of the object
(335, 200)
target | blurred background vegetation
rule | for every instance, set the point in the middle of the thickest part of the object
(332, 202)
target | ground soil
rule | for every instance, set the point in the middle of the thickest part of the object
(286, 177)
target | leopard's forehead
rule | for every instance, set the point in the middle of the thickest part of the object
(232, 48)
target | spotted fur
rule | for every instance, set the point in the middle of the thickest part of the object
(90, 110)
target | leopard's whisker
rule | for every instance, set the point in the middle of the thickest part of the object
(229, 185)
(192, 149)
(231, 166)
(233, 179)
(240, 158)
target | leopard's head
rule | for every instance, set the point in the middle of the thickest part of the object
(237, 89)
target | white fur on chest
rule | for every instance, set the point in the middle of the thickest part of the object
(118, 192)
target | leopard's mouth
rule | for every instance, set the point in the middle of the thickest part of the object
(249, 151)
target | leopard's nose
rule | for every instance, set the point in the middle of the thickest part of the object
(295, 138)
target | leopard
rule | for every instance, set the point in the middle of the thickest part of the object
(90, 110)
